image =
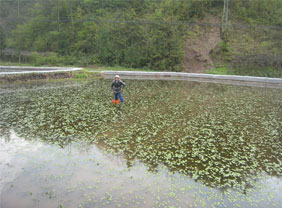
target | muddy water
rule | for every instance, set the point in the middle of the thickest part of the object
(175, 144)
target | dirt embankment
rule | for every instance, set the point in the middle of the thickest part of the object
(35, 76)
(197, 50)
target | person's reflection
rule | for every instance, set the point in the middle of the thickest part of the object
(7, 136)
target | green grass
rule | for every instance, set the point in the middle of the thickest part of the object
(264, 72)
(80, 75)
(221, 71)
(84, 74)
(4, 63)
(113, 68)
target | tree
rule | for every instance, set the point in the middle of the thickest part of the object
(134, 33)
(2, 39)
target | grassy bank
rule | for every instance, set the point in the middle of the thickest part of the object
(113, 68)
(221, 71)
(265, 72)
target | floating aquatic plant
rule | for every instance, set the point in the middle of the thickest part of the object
(221, 135)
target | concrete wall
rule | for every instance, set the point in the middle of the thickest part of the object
(9, 70)
(225, 79)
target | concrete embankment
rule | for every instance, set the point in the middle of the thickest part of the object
(225, 79)
(27, 73)
(11, 70)
(14, 73)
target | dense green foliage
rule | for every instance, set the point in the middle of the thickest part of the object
(258, 12)
(138, 34)
(108, 32)
(2, 39)
(255, 50)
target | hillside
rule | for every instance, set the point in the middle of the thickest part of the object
(197, 51)
(164, 35)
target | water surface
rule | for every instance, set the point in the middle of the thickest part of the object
(173, 144)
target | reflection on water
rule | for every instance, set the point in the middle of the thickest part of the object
(9, 148)
(175, 144)
(74, 177)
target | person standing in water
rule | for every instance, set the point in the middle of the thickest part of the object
(117, 87)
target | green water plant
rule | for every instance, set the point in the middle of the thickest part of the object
(223, 136)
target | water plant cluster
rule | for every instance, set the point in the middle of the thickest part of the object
(223, 136)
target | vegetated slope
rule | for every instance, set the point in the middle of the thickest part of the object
(255, 52)
(197, 50)
(147, 34)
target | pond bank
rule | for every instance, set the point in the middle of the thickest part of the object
(35, 76)
(225, 79)
(26, 73)
(10, 74)
(10, 70)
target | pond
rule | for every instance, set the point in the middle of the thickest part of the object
(172, 144)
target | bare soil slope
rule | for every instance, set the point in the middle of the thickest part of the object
(197, 51)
